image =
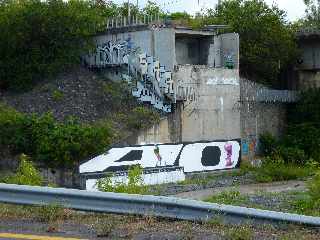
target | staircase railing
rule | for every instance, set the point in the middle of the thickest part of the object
(153, 83)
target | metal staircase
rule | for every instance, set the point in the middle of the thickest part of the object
(151, 83)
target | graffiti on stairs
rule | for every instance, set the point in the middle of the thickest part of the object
(152, 83)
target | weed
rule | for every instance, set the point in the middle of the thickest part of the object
(240, 233)
(50, 213)
(309, 202)
(229, 197)
(26, 174)
(134, 186)
(217, 220)
(104, 227)
(57, 95)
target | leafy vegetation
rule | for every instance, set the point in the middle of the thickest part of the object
(42, 38)
(50, 142)
(232, 197)
(301, 142)
(312, 18)
(309, 203)
(57, 95)
(274, 169)
(26, 174)
(134, 185)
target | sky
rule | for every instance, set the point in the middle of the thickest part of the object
(294, 8)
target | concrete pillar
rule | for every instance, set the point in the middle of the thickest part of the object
(217, 52)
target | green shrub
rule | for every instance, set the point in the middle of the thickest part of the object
(268, 144)
(135, 183)
(293, 155)
(304, 136)
(57, 95)
(275, 169)
(48, 141)
(26, 174)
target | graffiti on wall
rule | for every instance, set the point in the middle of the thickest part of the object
(192, 157)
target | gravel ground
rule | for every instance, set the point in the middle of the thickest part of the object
(274, 187)
(197, 183)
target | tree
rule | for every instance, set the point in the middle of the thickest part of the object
(312, 13)
(41, 38)
(266, 39)
(152, 8)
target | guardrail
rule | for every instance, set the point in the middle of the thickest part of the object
(145, 205)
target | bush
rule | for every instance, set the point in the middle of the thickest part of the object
(275, 169)
(268, 144)
(48, 141)
(135, 183)
(290, 155)
(304, 136)
(26, 174)
(293, 155)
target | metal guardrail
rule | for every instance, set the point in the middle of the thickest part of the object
(145, 205)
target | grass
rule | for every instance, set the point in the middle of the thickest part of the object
(240, 233)
(232, 197)
(280, 172)
(298, 202)
(128, 226)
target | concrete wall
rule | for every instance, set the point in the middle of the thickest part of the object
(164, 45)
(310, 49)
(208, 110)
(308, 68)
(157, 43)
(308, 79)
(258, 118)
(192, 50)
(230, 48)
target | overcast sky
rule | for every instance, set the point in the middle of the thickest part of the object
(294, 8)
